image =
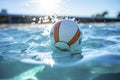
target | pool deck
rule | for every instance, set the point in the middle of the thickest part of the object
(42, 19)
(2, 26)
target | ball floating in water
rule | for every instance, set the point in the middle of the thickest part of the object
(66, 35)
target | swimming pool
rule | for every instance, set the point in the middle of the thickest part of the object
(26, 54)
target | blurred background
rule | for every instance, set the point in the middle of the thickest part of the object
(47, 11)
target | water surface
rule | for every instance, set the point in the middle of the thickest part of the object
(26, 53)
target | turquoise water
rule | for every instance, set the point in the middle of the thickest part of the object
(26, 53)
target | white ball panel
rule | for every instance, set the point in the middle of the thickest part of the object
(68, 29)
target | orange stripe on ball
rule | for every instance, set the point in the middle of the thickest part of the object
(56, 32)
(75, 38)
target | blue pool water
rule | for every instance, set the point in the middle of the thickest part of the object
(26, 53)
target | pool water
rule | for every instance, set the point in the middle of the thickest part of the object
(26, 53)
